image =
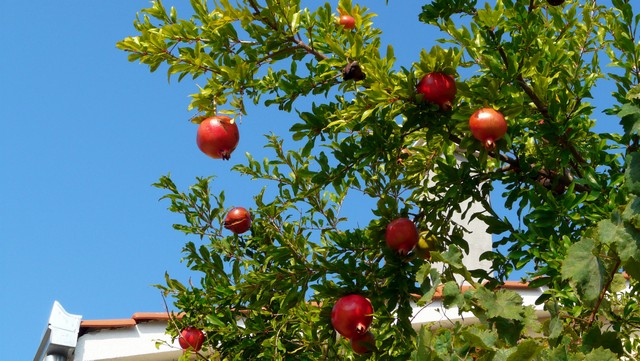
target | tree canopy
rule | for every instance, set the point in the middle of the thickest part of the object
(366, 129)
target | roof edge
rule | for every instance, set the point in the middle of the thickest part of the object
(139, 317)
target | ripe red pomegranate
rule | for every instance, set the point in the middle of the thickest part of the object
(347, 21)
(402, 235)
(487, 125)
(218, 136)
(191, 337)
(438, 88)
(351, 316)
(238, 220)
(363, 344)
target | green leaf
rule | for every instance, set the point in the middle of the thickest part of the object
(619, 283)
(625, 238)
(555, 327)
(526, 350)
(423, 349)
(494, 224)
(632, 173)
(633, 93)
(488, 17)
(451, 295)
(503, 354)
(632, 267)
(214, 320)
(444, 9)
(631, 213)
(584, 270)
(483, 339)
(504, 303)
(595, 338)
(601, 354)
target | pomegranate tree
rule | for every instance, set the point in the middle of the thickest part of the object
(438, 88)
(351, 316)
(488, 125)
(218, 137)
(363, 344)
(191, 338)
(402, 235)
(238, 220)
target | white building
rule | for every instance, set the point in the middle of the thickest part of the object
(142, 337)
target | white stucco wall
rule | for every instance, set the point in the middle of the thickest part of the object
(136, 343)
(479, 240)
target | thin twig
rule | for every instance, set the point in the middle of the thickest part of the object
(603, 293)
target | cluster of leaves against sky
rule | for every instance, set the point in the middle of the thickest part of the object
(268, 294)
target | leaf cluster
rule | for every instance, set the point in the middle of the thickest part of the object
(373, 141)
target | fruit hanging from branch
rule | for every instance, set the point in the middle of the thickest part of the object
(238, 220)
(353, 71)
(488, 125)
(402, 235)
(218, 136)
(191, 338)
(438, 88)
(352, 315)
(425, 245)
(347, 21)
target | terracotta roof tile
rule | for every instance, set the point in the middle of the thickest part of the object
(154, 316)
(117, 323)
(127, 322)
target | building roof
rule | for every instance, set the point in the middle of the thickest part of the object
(143, 337)
(140, 317)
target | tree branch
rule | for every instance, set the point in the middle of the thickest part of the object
(299, 43)
(540, 105)
(544, 111)
(603, 293)
(546, 178)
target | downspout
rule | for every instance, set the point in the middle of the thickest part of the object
(60, 337)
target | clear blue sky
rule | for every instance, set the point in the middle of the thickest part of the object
(84, 135)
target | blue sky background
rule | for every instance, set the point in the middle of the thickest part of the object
(84, 135)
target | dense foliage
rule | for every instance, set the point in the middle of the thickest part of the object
(268, 294)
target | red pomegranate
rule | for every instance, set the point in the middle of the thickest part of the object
(191, 337)
(488, 125)
(218, 136)
(238, 220)
(438, 88)
(351, 316)
(402, 235)
(363, 344)
(347, 21)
